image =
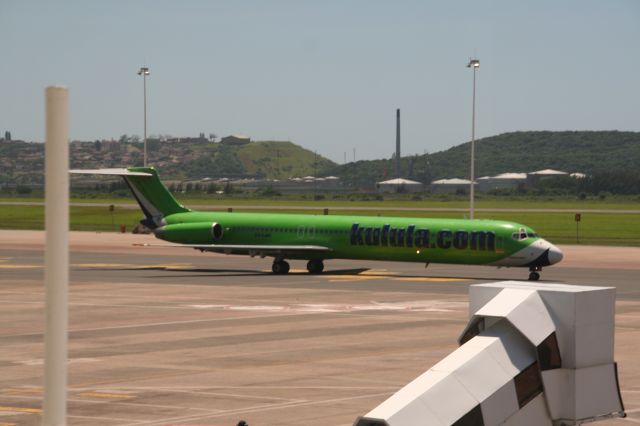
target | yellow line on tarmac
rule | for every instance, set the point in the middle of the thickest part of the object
(15, 266)
(348, 278)
(338, 278)
(24, 391)
(106, 395)
(133, 266)
(20, 410)
(377, 272)
(432, 279)
(100, 265)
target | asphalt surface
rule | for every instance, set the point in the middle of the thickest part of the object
(175, 337)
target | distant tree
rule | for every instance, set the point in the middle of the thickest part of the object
(7, 135)
(124, 138)
(97, 145)
(153, 145)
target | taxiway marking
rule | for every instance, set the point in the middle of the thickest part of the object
(20, 266)
(20, 410)
(366, 275)
(107, 395)
(25, 391)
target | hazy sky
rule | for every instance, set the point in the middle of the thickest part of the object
(326, 74)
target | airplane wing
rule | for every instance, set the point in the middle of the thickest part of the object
(110, 172)
(252, 250)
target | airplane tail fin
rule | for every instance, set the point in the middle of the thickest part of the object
(154, 198)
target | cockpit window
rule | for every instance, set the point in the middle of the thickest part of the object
(522, 234)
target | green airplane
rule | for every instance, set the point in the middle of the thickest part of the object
(318, 237)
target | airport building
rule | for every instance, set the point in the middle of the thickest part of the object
(399, 185)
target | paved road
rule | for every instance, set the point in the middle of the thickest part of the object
(172, 336)
(155, 266)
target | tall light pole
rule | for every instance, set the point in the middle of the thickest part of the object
(475, 64)
(144, 72)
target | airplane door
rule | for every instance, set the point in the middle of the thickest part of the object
(499, 245)
(301, 231)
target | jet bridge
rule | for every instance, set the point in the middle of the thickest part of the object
(531, 354)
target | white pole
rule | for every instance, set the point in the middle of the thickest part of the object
(474, 63)
(144, 78)
(56, 275)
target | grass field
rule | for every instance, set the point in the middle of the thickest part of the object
(595, 228)
(483, 200)
(611, 203)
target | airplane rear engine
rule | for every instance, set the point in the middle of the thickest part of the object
(191, 233)
(216, 231)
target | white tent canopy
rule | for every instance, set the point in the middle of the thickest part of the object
(399, 184)
(454, 181)
(549, 172)
(514, 176)
(399, 181)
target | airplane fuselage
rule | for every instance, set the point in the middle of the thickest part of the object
(366, 237)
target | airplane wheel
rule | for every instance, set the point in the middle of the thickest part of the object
(315, 266)
(534, 276)
(280, 267)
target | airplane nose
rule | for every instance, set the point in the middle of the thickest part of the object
(555, 254)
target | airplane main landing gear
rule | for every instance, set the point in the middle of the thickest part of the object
(315, 266)
(534, 273)
(280, 267)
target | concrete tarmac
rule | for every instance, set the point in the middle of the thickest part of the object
(170, 336)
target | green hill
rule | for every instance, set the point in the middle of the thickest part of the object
(282, 160)
(23, 163)
(266, 159)
(571, 151)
